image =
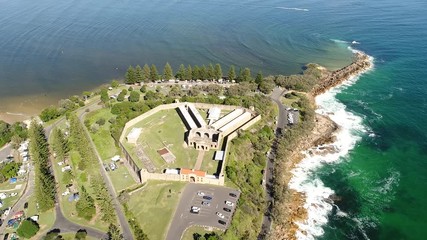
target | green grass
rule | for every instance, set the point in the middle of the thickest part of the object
(288, 101)
(68, 208)
(70, 236)
(209, 165)
(154, 206)
(46, 219)
(164, 128)
(102, 138)
(121, 178)
(188, 234)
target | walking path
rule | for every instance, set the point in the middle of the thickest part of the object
(199, 161)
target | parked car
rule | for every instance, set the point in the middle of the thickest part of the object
(228, 203)
(227, 209)
(195, 210)
(204, 203)
(222, 222)
(200, 193)
(207, 197)
(220, 214)
(232, 195)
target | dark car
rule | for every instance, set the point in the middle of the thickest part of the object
(232, 195)
(227, 209)
(222, 222)
(207, 197)
(204, 203)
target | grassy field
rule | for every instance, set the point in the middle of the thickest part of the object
(46, 219)
(102, 138)
(120, 177)
(209, 165)
(155, 205)
(164, 129)
(70, 236)
(80, 178)
(188, 234)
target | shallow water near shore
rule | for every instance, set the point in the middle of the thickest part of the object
(55, 49)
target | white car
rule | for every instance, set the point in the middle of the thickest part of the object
(200, 194)
(220, 214)
(13, 194)
(228, 203)
(195, 209)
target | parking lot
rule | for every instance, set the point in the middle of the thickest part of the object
(207, 215)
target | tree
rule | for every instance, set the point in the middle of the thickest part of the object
(181, 72)
(143, 89)
(146, 73)
(246, 75)
(59, 144)
(203, 73)
(10, 170)
(139, 74)
(85, 206)
(266, 86)
(104, 95)
(175, 91)
(259, 77)
(121, 97)
(167, 72)
(49, 113)
(210, 74)
(189, 73)
(196, 73)
(115, 83)
(114, 233)
(130, 76)
(218, 71)
(87, 94)
(231, 73)
(153, 73)
(27, 229)
(134, 96)
(80, 234)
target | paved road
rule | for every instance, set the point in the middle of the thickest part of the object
(5, 151)
(127, 233)
(207, 217)
(280, 126)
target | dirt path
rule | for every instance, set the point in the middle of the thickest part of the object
(199, 162)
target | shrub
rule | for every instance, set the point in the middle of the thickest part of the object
(100, 121)
(27, 229)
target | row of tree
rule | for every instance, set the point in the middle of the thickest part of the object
(45, 181)
(86, 204)
(16, 133)
(211, 72)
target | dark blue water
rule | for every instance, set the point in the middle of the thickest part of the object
(51, 49)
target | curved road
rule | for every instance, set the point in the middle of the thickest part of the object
(280, 126)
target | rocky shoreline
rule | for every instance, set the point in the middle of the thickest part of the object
(323, 133)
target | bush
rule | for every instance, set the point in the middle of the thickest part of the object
(100, 121)
(130, 89)
(81, 234)
(134, 96)
(27, 229)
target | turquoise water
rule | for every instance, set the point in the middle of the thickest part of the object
(57, 48)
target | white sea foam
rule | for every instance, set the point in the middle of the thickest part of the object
(295, 9)
(351, 129)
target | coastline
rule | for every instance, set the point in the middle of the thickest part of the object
(305, 213)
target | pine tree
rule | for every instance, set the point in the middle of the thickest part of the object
(246, 75)
(59, 144)
(232, 73)
(203, 73)
(210, 72)
(153, 73)
(130, 77)
(114, 233)
(146, 73)
(181, 72)
(167, 72)
(189, 73)
(259, 77)
(139, 75)
(85, 206)
(218, 71)
(196, 73)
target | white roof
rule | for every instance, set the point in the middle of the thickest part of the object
(172, 171)
(188, 119)
(197, 115)
(116, 158)
(227, 118)
(134, 133)
(214, 113)
(219, 155)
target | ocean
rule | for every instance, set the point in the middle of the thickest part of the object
(52, 49)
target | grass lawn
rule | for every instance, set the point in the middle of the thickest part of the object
(120, 177)
(102, 138)
(288, 101)
(188, 234)
(154, 206)
(164, 128)
(70, 236)
(46, 219)
(209, 165)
